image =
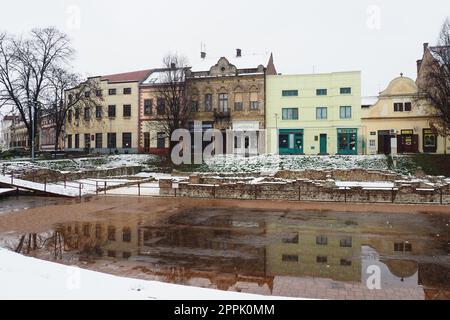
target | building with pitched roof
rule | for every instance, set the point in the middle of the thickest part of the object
(112, 126)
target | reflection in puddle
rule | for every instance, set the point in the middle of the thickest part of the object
(317, 255)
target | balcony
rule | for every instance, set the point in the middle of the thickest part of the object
(222, 114)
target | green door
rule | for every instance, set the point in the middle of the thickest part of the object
(323, 144)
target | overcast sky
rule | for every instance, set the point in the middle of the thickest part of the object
(380, 37)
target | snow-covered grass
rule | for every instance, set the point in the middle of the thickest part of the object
(273, 163)
(29, 278)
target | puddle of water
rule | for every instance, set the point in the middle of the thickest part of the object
(284, 253)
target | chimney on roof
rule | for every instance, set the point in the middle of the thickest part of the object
(203, 55)
(173, 65)
(419, 64)
(425, 47)
(238, 53)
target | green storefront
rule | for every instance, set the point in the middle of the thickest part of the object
(290, 141)
(347, 141)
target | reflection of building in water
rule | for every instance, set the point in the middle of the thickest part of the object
(242, 253)
(303, 251)
(109, 239)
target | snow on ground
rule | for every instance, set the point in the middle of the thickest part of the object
(273, 163)
(69, 191)
(29, 278)
(103, 162)
(366, 185)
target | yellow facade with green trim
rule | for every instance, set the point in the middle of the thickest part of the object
(314, 114)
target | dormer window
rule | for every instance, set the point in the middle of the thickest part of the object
(222, 69)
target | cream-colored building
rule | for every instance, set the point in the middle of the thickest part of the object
(399, 122)
(314, 113)
(112, 126)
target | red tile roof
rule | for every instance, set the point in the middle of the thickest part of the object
(128, 76)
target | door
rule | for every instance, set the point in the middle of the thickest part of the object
(384, 142)
(146, 141)
(323, 144)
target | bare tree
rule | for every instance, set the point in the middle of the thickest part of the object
(80, 94)
(435, 81)
(174, 102)
(25, 65)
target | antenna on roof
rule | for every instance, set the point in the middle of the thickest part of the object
(202, 50)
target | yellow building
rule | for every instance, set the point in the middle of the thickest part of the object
(314, 113)
(113, 126)
(399, 122)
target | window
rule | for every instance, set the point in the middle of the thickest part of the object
(346, 242)
(148, 105)
(87, 140)
(111, 111)
(289, 258)
(291, 239)
(87, 94)
(346, 262)
(254, 101)
(321, 92)
(98, 112)
(373, 133)
(322, 240)
(161, 140)
(69, 116)
(403, 247)
(126, 110)
(98, 231)
(321, 259)
(208, 102)
(99, 93)
(223, 102)
(321, 113)
(347, 141)
(126, 90)
(112, 140)
(126, 140)
(346, 112)
(126, 235)
(290, 114)
(87, 114)
(289, 93)
(111, 234)
(112, 92)
(194, 106)
(429, 141)
(346, 90)
(77, 141)
(111, 253)
(98, 140)
(69, 141)
(77, 113)
(161, 106)
(408, 106)
(372, 143)
(238, 106)
(86, 230)
(398, 107)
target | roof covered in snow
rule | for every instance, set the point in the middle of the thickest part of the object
(161, 76)
(246, 61)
